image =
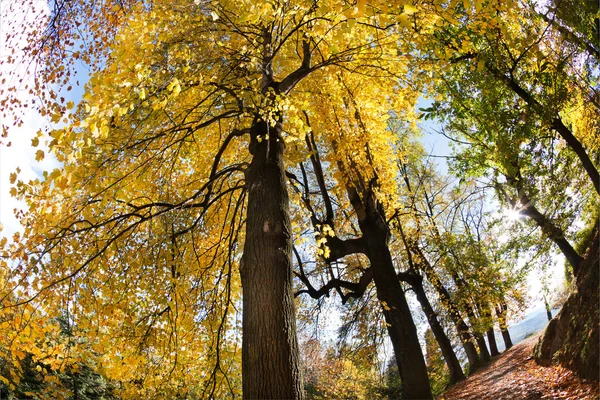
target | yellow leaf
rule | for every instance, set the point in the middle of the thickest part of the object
(13, 177)
(56, 118)
(39, 155)
(35, 141)
(70, 105)
(361, 4)
(481, 64)
(176, 90)
(410, 9)
(403, 19)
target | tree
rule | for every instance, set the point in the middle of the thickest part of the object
(393, 384)
(333, 374)
(364, 127)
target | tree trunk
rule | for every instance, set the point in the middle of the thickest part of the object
(484, 354)
(578, 148)
(270, 357)
(572, 338)
(506, 337)
(556, 124)
(492, 341)
(548, 309)
(501, 314)
(553, 232)
(483, 350)
(400, 325)
(487, 314)
(456, 372)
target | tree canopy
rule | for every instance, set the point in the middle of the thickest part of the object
(220, 149)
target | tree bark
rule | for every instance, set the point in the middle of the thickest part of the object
(270, 357)
(548, 309)
(415, 280)
(483, 350)
(456, 372)
(556, 123)
(374, 244)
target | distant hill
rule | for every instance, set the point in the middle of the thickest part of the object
(532, 323)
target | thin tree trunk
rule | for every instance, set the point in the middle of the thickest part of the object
(501, 314)
(506, 337)
(484, 354)
(400, 325)
(492, 341)
(461, 326)
(487, 314)
(553, 232)
(456, 372)
(483, 350)
(270, 357)
(415, 280)
(374, 244)
(548, 309)
(557, 124)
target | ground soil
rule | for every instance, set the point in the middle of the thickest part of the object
(515, 375)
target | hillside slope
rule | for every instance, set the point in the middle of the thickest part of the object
(514, 375)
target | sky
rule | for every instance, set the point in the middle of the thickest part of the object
(20, 154)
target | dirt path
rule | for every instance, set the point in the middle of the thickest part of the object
(515, 375)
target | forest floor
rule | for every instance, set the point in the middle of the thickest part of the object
(514, 375)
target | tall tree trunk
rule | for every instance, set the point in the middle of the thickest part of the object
(400, 325)
(483, 350)
(374, 244)
(270, 357)
(501, 314)
(456, 372)
(484, 354)
(556, 123)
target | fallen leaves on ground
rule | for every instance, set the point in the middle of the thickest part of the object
(515, 375)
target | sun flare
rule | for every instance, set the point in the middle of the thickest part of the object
(512, 214)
